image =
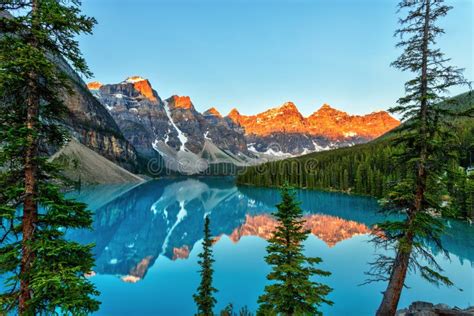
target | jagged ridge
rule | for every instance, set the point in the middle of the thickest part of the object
(326, 121)
(175, 130)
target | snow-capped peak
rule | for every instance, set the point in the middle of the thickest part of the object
(134, 79)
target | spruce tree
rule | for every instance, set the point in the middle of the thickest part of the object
(204, 298)
(426, 151)
(293, 292)
(44, 271)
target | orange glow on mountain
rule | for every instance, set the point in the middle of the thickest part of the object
(285, 118)
(333, 229)
(130, 278)
(235, 116)
(142, 85)
(139, 271)
(213, 111)
(336, 124)
(329, 229)
(326, 121)
(181, 252)
(258, 225)
(216, 239)
(94, 85)
(182, 102)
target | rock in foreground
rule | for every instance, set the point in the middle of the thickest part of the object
(429, 309)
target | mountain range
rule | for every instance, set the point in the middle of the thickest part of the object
(189, 141)
(286, 129)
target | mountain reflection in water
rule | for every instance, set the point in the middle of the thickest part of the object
(329, 229)
(134, 225)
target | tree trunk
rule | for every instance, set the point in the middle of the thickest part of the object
(30, 206)
(392, 294)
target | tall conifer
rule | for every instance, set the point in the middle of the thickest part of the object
(45, 271)
(204, 298)
(425, 138)
(293, 292)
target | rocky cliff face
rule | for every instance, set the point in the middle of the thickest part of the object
(284, 130)
(210, 125)
(89, 122)
(137, 110)
(284, 119)
(189, 140)
(92, 125)
(336, 124)
(186, 139)
(420, 308)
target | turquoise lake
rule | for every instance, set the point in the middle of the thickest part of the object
(148, 237)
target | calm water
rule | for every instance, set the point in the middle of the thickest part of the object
(148, 236)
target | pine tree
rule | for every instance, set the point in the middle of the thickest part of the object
(426, 151)
(204, 298)
(45, 272)
(293, 292)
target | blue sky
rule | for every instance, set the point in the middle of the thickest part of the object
(256, 54)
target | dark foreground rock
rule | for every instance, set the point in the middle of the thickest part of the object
(429, 309)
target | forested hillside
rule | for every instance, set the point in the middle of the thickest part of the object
(369, 169)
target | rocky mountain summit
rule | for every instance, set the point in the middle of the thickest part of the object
(190, 141)
(285, 129)
(187, 140)
(138, 115)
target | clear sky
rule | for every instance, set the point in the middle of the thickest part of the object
(256, 54)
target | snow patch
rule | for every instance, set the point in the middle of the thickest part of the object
(182, 138)
(134, 79)
(251, 147)
(272, 152)
(318, 147)
(350, 134)
(179, 218)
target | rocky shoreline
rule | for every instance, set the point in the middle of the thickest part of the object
(430, 309)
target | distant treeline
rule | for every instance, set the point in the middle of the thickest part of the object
(368, 169)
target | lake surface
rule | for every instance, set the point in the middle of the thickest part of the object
(148, 237)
